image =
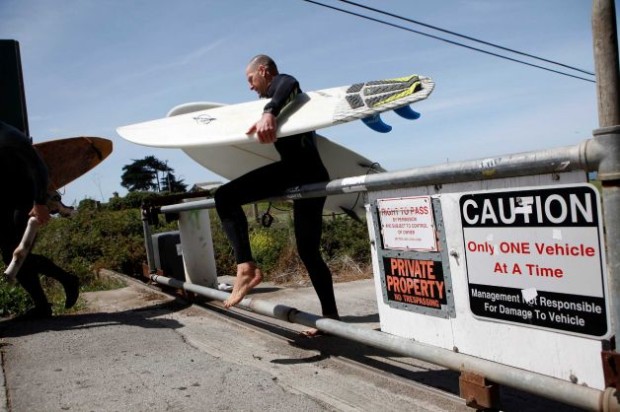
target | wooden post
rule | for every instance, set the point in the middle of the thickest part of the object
(604, 33)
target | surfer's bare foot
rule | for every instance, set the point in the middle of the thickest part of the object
(311, 333)
(248, 276)
(314, 332)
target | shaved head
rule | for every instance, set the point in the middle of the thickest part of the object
(263, 60)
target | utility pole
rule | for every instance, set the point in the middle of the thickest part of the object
(607, 140)
(605, 36)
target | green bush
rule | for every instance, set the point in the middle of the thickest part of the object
(224, 255)
(111, 236)
(91, 239)
(133, 200)
(267, 246)
(94, 239)
(343, 236)
(13, 298)
(274, 249)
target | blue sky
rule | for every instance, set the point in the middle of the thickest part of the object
(91, 66)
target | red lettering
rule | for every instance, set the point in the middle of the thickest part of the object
(557, 249)
(522, 248)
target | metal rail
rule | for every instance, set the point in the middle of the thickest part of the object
(584, 156)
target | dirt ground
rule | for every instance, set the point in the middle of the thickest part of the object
(343, 269)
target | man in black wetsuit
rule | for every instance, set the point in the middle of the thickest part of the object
(24, 181)
(300, 164)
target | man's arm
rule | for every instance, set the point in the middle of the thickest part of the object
(37, 170)
(283, 90)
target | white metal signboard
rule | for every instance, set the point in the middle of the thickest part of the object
(536, 257)
(407, 223)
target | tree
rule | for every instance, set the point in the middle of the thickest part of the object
(171, 184)
(144, 175)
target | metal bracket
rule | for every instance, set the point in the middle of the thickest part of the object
(150, 214)
(146, 271)
(478, 392)
(611, 368)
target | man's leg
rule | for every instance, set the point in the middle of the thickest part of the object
(28, 275)
(29, 279)
(69, 282)
(229, 198)
(308, 218)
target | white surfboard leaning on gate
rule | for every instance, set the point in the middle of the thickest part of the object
(232, 161)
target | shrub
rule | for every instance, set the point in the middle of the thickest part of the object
(13, 298)
(111, 236)
(267, 246)
(224, 255)
(94, 239)
(343, 236)
(133, 200)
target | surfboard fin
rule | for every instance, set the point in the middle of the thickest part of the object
(376, 124)
(351, 213)
(407, 112)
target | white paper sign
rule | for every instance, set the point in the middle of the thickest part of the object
(407, 223)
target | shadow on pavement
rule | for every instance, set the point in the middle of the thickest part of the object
(141, 317)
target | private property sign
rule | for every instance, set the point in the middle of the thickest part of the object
(415, 281)
(535, 257)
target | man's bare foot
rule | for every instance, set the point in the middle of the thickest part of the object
(248, 276)
(314, 332)
(311, 333)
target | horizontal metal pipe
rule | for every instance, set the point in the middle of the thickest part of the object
(190, 205)
(583, 156)
(545, 386)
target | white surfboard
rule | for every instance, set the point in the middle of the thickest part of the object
(227, 125)
(232, 161)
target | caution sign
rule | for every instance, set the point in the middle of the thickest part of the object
(536, 257)
(415, 282)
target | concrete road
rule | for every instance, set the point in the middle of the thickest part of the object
(135, 349)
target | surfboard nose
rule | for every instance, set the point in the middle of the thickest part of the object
(102, 147)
